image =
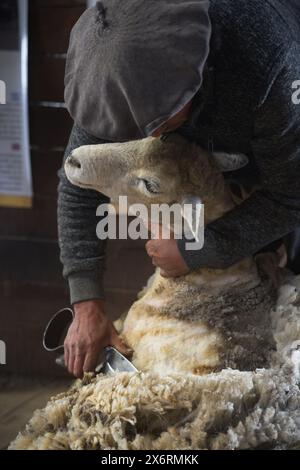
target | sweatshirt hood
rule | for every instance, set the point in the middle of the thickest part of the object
(133, 64)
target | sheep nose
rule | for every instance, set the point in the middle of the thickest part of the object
(72, 161)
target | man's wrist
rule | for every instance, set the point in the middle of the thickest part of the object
(85, 285)
(90, 307)
(206, 257)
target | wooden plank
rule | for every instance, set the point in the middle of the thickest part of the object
(45, 166)
(37, 261)
(49, 127)
(46, 79)
(34, 261)
(59, 3)
(50, 27)
(38, 222)
(24, 315)
(24, 350)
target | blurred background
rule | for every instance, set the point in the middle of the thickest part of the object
(31, 285)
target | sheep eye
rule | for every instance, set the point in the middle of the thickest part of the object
(151, 186)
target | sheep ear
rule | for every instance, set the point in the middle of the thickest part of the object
(230, 161)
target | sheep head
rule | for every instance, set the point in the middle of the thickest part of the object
(153, 171)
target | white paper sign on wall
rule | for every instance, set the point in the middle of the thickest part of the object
(15, 169)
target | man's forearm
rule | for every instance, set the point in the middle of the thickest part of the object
(82, 253)
(256, 223)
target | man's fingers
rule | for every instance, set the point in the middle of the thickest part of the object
(164, 273)
(66, 355)
(90, 363)
(160, 264)
(71, 360)
(268, 263)
(171, 273)
(155, 261)
(78, 366)
(117, 343)
(159, 231)
(151, 248)
(155, 230)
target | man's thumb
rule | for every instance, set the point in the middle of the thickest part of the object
(117, 343)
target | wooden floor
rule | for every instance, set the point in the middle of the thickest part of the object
(19, 398)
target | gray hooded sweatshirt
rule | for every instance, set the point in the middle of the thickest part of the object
(153, 55)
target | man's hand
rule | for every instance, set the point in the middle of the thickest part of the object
(165, 254)
(269, 264)
(90, 332)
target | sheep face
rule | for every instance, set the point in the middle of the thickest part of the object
(151, 171)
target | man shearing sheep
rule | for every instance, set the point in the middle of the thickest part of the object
(219, 72)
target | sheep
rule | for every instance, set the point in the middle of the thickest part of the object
(209, 319)
(218, 358)
(230, 409)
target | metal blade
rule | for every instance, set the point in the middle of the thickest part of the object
(115, 362)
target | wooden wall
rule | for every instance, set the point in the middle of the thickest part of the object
(50, 22)
(31, 284)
